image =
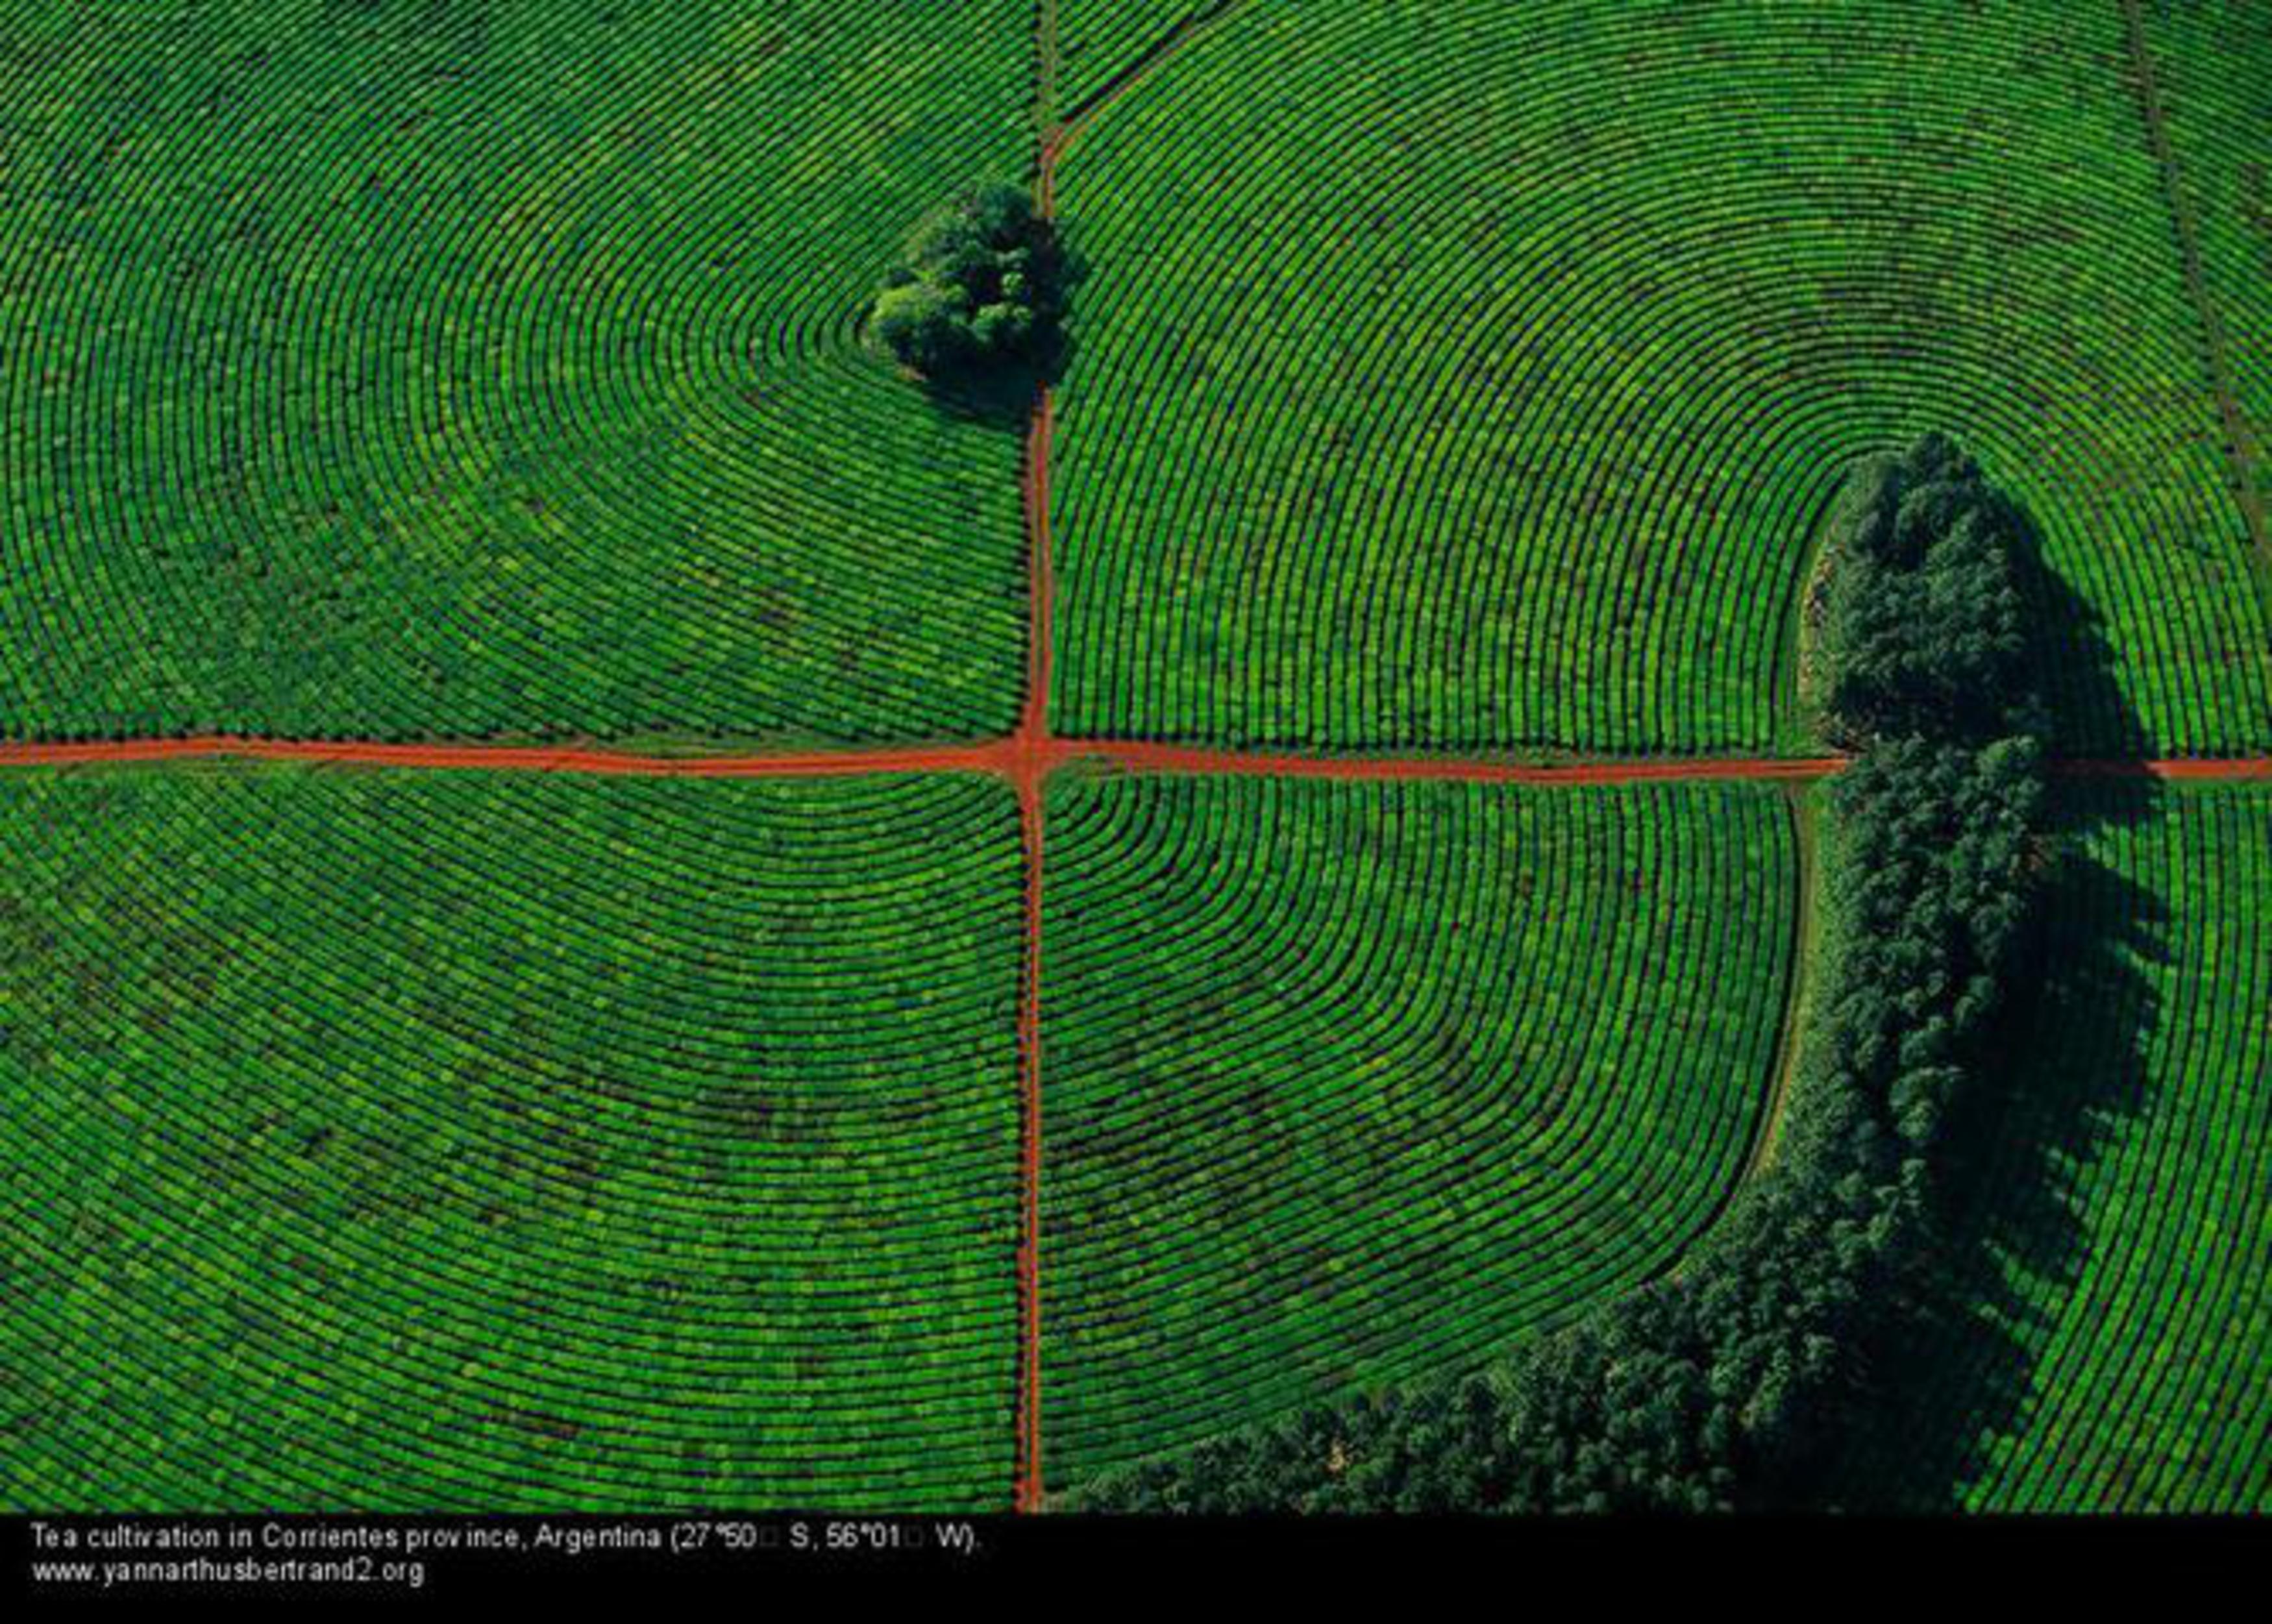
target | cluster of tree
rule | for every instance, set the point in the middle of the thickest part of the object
(980, 290)
(1919, 613)
(1715, 1388)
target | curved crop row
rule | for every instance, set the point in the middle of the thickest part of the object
(401, 370)
(1474, 375)
(1098, 40)
(406, 1142)
(1350, 1083)
(2111, 1349)
(2212, 64)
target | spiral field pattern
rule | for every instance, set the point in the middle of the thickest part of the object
(1350, 1084)
(409, 369)
(405, 1142)
(1473, 375)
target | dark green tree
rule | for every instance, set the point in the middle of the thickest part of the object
(1921, 601)
(980, 290)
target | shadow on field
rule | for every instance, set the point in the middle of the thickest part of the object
(2074, 664)
(1004, 399)
(1004, 395)
(1954, 1369)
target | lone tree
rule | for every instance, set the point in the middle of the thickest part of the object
(980, 291)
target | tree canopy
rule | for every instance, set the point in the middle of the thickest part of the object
(981, 289)
(1920, 601)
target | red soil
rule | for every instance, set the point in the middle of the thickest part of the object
(517, 758)
(1149, 758)
(1031, 754)
(1026, 758)
(2255, 770)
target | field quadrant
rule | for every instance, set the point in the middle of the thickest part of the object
(1474, 376)
(1349, 1084)
(425, 1142)
(402, 370)
(2107, 1342)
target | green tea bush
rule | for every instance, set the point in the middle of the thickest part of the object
(414, 371)
(1506, 362)
(2098, 1326)
(470, 1142)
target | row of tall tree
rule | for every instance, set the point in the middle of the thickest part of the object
(1716, 1387)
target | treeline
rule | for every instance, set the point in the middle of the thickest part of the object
(1715, 1388)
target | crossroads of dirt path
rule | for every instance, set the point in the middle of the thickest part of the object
(1025, 760)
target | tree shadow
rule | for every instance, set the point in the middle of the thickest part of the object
(2073, 662)
(1003, 391)
(1004, 396)
(1951, 1365)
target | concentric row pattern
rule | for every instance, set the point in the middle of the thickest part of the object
(2213, 65)
(406, 1141)
(1351, 1083)
(1099, 39)
(1474, 374)
(2114, 1351)
(406, 369)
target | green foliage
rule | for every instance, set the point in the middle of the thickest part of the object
(1921, 602)
(981, 289)
(1101, 41)
(1710, 1388)
(1315, 1050)
(2213, 59)
(399, 1141)
(2101, 1337)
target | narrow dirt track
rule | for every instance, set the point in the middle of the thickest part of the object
(591, 761)
(1027, 758)
(2239, 444)
(2234, 770)
(1149, 758)
(1155, 57)
(1029, 766)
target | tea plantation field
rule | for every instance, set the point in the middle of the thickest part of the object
(2209, 58)
(1474, 375)
(386, 1141)
(405, 370)
(2109, 1344)
(1008, 1095)
(1350, 1084)
(1100, 42)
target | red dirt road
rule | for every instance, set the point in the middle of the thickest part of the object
(594, 760)
(1028, 767)
(1137, 757)
(2195, 770)
(1030, 756)
(1026, 758)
